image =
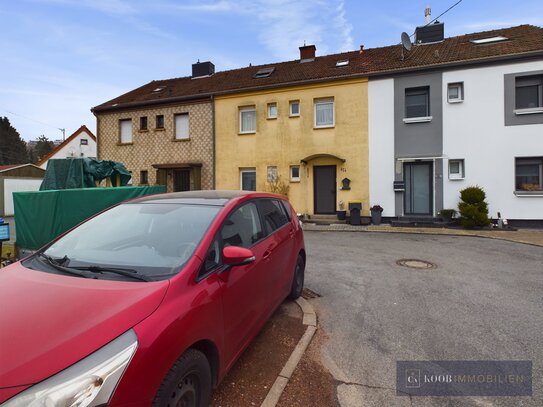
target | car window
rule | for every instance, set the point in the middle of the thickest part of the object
(273, 215)
(242, 228)
(213, 257)
(286, 207)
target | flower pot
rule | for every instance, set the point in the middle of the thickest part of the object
(376, 217)
(341, 215)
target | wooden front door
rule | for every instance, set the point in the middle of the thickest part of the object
(181, 180)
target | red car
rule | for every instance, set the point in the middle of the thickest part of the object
(149, 302)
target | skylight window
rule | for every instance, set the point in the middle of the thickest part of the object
(159, 89)
(344, 62)
(263, 73)
(489, 40)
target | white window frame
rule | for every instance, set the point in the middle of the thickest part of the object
(290, 104)
(125, 138)
(461, 174)
(325, 101)
(271, 116)
(183, 136)
(460, 98)
(293, 178)
(241, 172)
(244, 110)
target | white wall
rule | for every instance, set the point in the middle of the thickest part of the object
(381, 143)
(12, 185)
(75, 149)
(474, 130)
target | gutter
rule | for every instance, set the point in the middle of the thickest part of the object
(213, 162)
(375, 74)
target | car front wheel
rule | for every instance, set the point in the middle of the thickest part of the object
(187, 384)
(298, 279)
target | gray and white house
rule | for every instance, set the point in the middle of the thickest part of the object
(458, 112)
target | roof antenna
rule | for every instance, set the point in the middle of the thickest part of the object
(304, 43)
(428, 14)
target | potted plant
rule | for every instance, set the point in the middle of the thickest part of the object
(376, 211)
(341, 213)
(448, 214)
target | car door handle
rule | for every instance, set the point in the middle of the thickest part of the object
(266, 255)
(291, 233)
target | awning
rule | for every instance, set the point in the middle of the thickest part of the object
(168, 166)
(321, 155)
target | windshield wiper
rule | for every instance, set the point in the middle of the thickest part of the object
(127, 272)
(54, 263)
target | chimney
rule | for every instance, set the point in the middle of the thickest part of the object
(361, 49)
(200, 69)
(428, 14)
(307, 53)
(430, 33)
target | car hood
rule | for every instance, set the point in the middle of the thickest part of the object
(48, 321)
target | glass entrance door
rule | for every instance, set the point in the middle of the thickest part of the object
(418, 196)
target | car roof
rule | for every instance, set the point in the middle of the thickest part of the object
(214, 198)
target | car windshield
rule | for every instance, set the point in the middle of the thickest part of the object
(152, 239)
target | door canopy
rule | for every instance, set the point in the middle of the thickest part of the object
(321, 155)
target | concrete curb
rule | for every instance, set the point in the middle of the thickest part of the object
(434, 232)
(309, 319)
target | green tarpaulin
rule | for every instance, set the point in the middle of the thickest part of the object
(43, 215)
(67, 173)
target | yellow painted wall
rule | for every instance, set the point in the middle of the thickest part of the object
(285, 141)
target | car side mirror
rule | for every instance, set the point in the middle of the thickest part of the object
(237, 256)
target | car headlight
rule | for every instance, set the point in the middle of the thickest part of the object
(87, 383)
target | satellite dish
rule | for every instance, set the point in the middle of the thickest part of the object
(406, 41)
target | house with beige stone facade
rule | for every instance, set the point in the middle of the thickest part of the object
(161, 138)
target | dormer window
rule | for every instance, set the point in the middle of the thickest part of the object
(489, 40)
(344, 62)
(264, 73)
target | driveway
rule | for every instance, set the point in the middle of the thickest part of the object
(484, 300)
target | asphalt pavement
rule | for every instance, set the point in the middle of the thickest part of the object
(482, 301)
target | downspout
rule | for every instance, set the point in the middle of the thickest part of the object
(213, 141)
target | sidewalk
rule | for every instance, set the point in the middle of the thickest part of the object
(527, 236)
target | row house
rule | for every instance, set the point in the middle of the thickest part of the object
(403, 128)
(459, 112)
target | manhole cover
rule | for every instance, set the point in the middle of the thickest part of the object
(416, 264)
(307, 294)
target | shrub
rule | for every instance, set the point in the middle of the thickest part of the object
(448, 213)
(277, 186)
(473, 208)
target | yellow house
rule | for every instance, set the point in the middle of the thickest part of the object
(310, 137)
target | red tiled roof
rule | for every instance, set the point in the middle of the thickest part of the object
(7, 167)
(57, 148)
(523, 41)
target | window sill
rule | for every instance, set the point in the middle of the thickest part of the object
(424, 119)
(143, 130)
(271, 118)
(293, 116)
(180, 139)
(294, 181)
(331, 126)
(522, 194)
(455, 100)
(243, 133)
(457, 179)
(125, 144)
(535, 110)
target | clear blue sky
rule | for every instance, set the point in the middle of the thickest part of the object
(61, 57)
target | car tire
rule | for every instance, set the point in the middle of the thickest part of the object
(188, 383)
(298, 279)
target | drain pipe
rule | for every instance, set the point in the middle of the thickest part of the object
(213, 141)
